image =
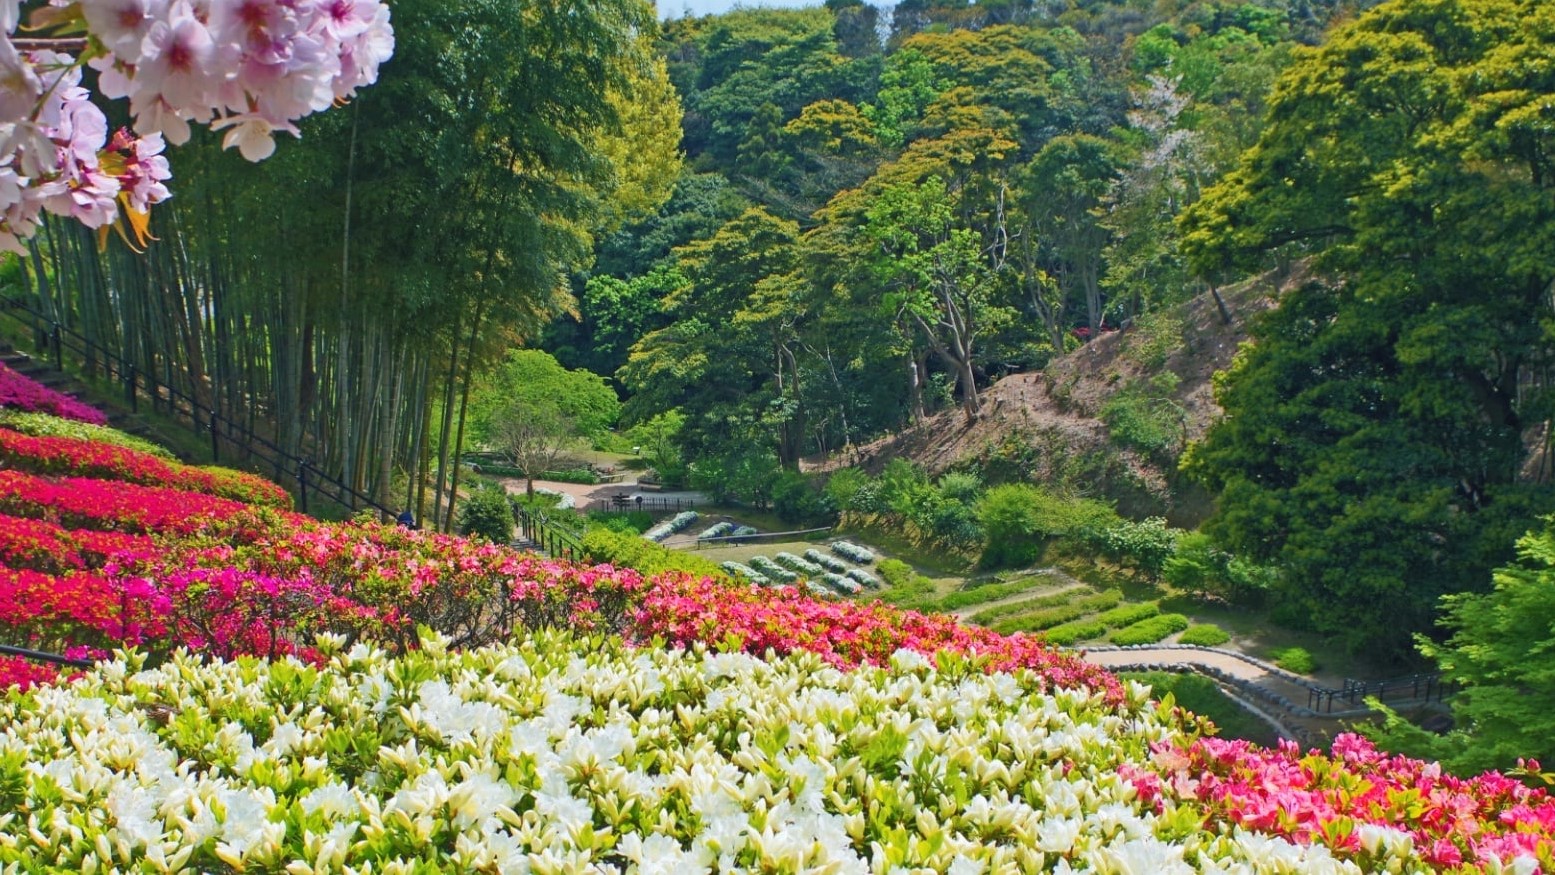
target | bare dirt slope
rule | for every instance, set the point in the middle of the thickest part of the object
(1048, 423)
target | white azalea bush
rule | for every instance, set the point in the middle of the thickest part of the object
(670, 526)
(569, 754)
(739, 569)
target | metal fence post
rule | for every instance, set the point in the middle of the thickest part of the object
(215, 439)
(59, 349)
(129, 388)
(302, 485)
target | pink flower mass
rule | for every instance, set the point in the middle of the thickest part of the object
(89, 563)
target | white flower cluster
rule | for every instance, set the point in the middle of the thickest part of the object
(840, 583)
(670, 526)
(852, 552)
(566, 754)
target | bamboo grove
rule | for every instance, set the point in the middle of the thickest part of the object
(340, 298)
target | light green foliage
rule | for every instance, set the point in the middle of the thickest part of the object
(1203, 697)
(488, 514)
(905, 587)
(1149, 631)
(992, 615)
(1144, 417)
(908, 84)
(1498, 652)
(1376, 429)
(44, 425)
(1070, 633)
(1128, 615)
(1204, 635)
(530, 382)
(658, 439)
(1019, 520)
(1065, 613)
(1298, 660)
(1198, 567)
(630, 550)
(1145, 545)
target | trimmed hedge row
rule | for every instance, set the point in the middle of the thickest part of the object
(1061, 614)
(1151, 630)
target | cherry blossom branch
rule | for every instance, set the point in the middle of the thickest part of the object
(50, 44)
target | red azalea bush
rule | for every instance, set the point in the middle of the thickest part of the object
(78, 502)
(43, 546)
(18, 672)
(24, 394)
(72, 456)
(1317, 798)
(79, 608)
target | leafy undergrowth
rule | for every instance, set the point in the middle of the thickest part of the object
(567, 717)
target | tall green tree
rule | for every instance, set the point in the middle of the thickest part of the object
(1378, 434)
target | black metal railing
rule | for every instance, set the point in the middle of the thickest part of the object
(42, 656)
(1354, 693)
(54, 340)
(555, 537)
(626, 501)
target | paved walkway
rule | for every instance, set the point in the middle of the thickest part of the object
(1277, 696)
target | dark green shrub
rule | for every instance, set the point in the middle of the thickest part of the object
(1198, 567)
(797, 500)
(1205, 635)
(844, 486)
(487, 513)
(1150, 630)
(1019, 520)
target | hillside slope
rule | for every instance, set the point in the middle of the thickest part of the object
(1052, 425)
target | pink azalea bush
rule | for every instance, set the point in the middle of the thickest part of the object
(90, 564)
(86, 458)
(684, 610)
(22, 393)
(1457, 824)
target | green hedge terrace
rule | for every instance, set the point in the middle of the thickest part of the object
(1058, 599)
(1056, 616)
(1151, 630)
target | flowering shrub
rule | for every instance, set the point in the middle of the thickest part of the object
(23, 394)
(716, 530)
(79, 502)
(76, 608)
(802, 566)
(43, 546)
(685, 610)
(46, 425)
(565, 754)
(18, 672)
(89, 458)
(773, 571)
(1358, 799)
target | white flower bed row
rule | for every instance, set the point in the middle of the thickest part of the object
(838, 582)
(773, 570)
(745, 571)
(830, 563)
(805, 567)
(852, 552)
(863, 577)
(716, 530)
(670, 526)
(579, 755)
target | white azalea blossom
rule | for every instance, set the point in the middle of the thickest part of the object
(560, 754)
